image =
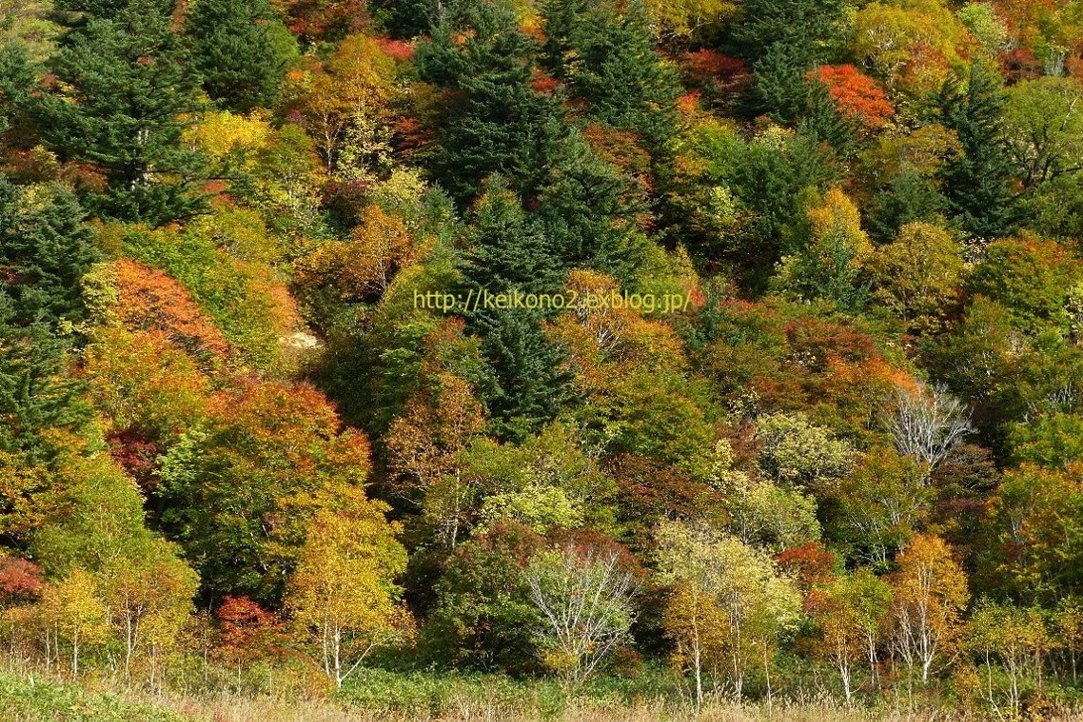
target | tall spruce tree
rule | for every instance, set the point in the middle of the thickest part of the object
(525, 386)
(508, 250)
(529, 383)
(37, 392)
(241, 49)
(124, 81)
(978, 181)
(44, 252)
(589, 211)
(783, 40)
(608, 59)
(499, 124)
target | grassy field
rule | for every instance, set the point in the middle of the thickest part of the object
(28, 698)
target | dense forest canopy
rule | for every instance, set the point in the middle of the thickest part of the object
(737, 341)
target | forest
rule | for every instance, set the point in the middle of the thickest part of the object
(541, 359)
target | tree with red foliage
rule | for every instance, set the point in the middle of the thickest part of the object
(720, 75)
(856, 95)
(137, 455)
(326, 19)
(20, 580)
(246, 630)
(810, 564)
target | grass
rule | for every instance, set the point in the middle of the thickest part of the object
(407, 698)
(31, 698)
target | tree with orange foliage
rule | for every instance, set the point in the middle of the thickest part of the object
(147, 299)
(20, 580)
(855, 94)
(931, 593)
(246, 630)
(241, 486)
(363, 267)
(426, 443)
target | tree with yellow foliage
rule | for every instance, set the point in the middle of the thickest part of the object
(731, 604)
(363, 267)
(829, 265)
(919, 275)
(71, 612)
(930, 594)
(343, 595)
(354, 84)
(850, 613)
(426, 443)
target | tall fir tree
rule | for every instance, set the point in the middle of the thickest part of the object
(525, 386)
(241, 49)
(498, 122)
(608, 59)
(37, 392)
(508, 250)
(124, 81)
(589, 211)
(783, 40)
(978, 182)
(44, 252)
(529, 382)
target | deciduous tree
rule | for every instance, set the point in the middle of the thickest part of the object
(343, 593)
(931, 593)
(584, 598)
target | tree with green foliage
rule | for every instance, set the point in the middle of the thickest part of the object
(1036, 524)
(977, 183)
(909, 198)
(1031, 277)
(529, 382)
(1045, 128)
(773, 178)
(483, 617)
(589, 212)
(97, 526)
(38, 394)
(508, 250)
(241, 49)
(607, 57)
(44, 252)
(124, 80)
(240, 488)
(498, 122)
(784, 40)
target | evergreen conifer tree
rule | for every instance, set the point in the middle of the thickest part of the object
(977, 182)
(509, 251)
(501, 124)
(241, 49)
(127, 80)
